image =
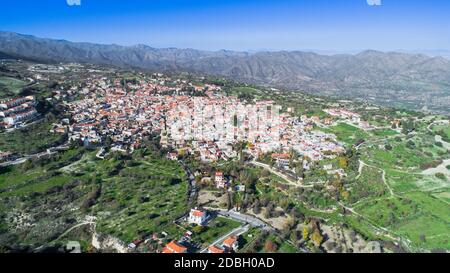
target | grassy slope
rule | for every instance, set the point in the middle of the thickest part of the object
(33, 139)
(12, 86)
(415, 212)
(43, 188)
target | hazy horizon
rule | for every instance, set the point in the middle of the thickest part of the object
(431, 52)
(322, 25)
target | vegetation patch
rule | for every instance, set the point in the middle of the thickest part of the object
(369, 184)
(219, 226)
(416, 216)
(142, 198)
(10, 86)
(34, 138)
(348, 133)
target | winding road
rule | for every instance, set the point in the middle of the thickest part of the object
(50, 151)
(192, 183)
(74, 227)
(243, 218)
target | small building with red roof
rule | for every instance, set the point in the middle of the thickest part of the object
(198, 217)
(231, 243)
(174, 248)
(215, 250)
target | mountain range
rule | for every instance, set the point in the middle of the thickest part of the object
(400, 79)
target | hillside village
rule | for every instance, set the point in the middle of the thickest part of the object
(259, 172)
(208, 125)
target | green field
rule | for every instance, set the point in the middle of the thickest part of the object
(369, 184)
(36, 176)
(402, 181)
(417, 216)
(217, 227)
(419, 209)
(245, 92)
(415, 153)
(248, 238)
(10, 86)
(142, 198)
(33, 139)
(347, 133)
(443, 130)
(384, 132)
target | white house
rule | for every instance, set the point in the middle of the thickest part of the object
(198, 217)
(221, 181)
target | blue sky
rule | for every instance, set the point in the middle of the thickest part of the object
(335, 25)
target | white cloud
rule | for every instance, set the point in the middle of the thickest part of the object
(374, 2)
(73, 2)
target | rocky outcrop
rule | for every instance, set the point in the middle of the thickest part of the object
(107, 243)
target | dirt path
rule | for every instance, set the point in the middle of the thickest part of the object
(379, 230)
(360, 168)
(362, 164)
(279, 174)
(438, 138)
(74, 227)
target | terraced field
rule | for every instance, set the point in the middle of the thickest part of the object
(129, 198)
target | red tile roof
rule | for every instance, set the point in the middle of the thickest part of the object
(174, 247)
(281, 156)
(198, 213)
(215, 250)
(230, 241)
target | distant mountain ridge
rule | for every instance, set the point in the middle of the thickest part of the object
(391, 78)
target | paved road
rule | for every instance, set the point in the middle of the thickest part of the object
(25, 158)
(192, 183)
(243, 218)
(50, 151)
(235, 232)
(251, 221)
(98, 154)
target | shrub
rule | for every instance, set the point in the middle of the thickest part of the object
(198, 229)
(91, 198)
(441, 176)
(270, 246)
(317, 237)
